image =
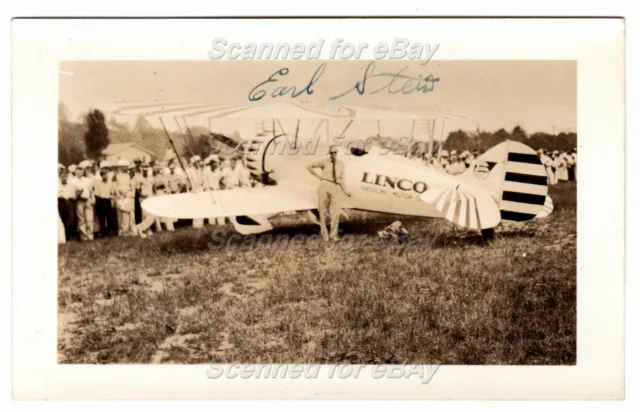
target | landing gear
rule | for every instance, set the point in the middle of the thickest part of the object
(488, 234)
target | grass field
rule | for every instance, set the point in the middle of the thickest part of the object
(209, 296)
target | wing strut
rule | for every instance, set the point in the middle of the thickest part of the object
(175, 150)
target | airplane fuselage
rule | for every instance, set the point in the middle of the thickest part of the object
(377, 181)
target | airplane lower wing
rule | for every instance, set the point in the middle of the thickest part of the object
(267, 200)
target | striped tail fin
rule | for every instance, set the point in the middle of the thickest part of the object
(514, 174)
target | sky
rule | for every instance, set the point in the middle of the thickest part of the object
(539, 96)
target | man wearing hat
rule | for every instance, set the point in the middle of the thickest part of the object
(159, 189)
(146, 191)
(444, 160)
(105, 193)
(84, 200)
(174, 181)
(196, 181)
(194, 174)
(467, 158)
(112, 218)
(330, 190)
(229, 177)
(212, 178)
(67, 205)
(124, 198)
(244, 177)
(455, 167)
(136, 181)
(554, 167)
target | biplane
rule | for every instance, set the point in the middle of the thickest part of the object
(507, 183)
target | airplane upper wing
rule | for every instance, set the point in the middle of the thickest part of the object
(285, 197)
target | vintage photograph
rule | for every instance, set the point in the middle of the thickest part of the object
(317, 212)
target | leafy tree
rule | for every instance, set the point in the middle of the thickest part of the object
(458, 140)
(518, 134)
(70, 144)
(96, 138)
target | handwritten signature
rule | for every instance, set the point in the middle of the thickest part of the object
(371, 83)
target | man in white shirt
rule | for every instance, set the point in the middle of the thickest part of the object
(229, 177)
(456, 167)
(104, 193)
(145, 183)
(330, 190)
(125, 199)
(67, 206)
(84, 200)
(160, 189)
(212, 177)
(174, 181)
(243, 175)
(212, 180)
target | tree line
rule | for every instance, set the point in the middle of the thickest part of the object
(481, 141)
(87, 140)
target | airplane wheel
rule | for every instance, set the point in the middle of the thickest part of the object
(488, 234)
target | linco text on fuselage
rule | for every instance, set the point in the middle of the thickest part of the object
(394, 182)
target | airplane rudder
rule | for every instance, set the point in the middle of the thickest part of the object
(524, 188)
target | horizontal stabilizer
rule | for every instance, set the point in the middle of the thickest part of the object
(474, 211)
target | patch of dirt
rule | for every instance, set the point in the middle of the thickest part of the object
(173, 340)
(65, 336)
(227, 289)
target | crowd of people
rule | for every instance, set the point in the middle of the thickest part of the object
(560, 166)
(103, 199)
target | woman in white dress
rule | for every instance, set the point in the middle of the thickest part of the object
(562, 173)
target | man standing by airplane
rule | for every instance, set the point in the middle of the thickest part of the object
(331, 184)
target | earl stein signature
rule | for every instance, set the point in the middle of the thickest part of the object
(372, 82)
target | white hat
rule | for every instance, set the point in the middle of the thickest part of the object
(84, 164)
(453, 152)
(61, 166)
(122, 162)
(215, 157)
(105, 163)
(72, 168)
(444, 153)
(465, 153)
(195, 158)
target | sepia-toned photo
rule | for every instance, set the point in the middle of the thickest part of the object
(365, 212)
